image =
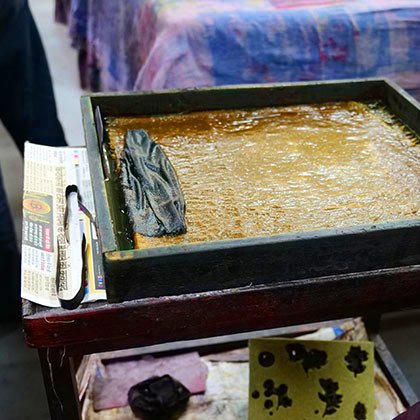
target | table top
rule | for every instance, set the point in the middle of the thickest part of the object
(101, 326)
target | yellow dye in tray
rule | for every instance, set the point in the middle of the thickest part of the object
(287, 169)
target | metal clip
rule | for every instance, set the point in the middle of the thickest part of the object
(77, 299)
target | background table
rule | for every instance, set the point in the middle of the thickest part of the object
(166, 44)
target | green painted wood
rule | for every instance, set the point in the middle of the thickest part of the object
(103, 214)
(237, 96)
(239, 263)
(403, 105)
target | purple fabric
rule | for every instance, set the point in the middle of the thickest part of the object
(412, 413)
(62, 10)
(78, 22)
(164, 44)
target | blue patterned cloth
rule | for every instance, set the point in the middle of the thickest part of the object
(161, 44)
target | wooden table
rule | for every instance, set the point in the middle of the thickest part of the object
(61, 336)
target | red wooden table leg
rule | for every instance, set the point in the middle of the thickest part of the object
(60, 384)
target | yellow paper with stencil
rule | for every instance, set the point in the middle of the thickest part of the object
(306, 380)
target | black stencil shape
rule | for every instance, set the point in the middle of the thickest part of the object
(312, 359)
(360, 412)
(355, 358)
(330, 396)
(255, 395)
(280, 392)
(268, 404)
(266, 359)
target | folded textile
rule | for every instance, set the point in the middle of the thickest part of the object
(111, 391)
(153, 194)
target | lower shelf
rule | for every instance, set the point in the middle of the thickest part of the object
(227, 362)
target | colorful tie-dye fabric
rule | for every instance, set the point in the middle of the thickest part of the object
(163, 44)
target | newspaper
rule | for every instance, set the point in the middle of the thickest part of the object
(48, 171)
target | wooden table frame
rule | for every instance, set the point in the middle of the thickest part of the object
(307, 287)
(62, 335)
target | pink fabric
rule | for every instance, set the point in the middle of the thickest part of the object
(293, 4)
(111, 391)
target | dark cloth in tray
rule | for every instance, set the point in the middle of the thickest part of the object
(153, 194)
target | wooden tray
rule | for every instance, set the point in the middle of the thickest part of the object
(180, 269)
